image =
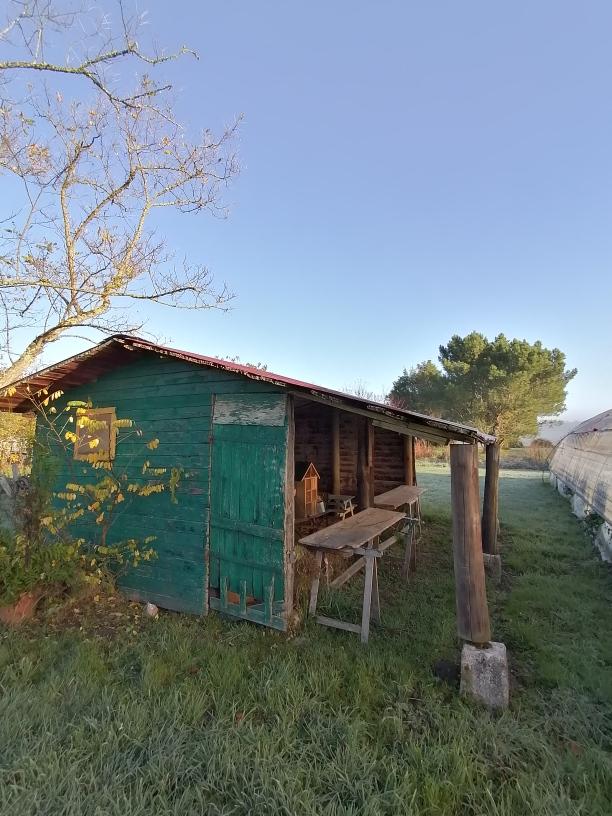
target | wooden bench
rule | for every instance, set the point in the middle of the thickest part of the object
(356, 535)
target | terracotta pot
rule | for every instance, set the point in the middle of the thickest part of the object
(23, 609)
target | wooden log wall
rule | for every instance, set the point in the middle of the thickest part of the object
(314, 443)
(388, 460)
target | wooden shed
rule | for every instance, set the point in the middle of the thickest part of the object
(227, 544)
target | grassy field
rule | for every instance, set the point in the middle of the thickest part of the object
(181, 716)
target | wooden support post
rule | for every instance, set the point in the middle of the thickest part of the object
(269, 601)
(370, 451)
(409, 460)
(490, 523)
(314, 587)
(407, 535)
(470, 588)
(367, 598)
(375, 596)
(336, 488)
(363, 468)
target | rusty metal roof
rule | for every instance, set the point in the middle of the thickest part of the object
(116, 351)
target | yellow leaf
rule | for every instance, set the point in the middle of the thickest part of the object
(100, 518)
(153, 444)
(93, 443)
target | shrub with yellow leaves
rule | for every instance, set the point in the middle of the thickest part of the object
(73, 535)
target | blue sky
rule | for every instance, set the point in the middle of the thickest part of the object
(409, 171)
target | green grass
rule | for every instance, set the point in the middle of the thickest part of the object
(209, 717)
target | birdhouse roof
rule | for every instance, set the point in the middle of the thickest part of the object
(303, 469)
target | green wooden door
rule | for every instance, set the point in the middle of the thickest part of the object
(247, 504)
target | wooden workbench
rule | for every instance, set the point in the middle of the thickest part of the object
(409, 497)
(399, 497)
(356, 535)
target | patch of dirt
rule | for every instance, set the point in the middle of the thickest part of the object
(102, 614)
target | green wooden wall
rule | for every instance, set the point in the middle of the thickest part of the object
(171, 400)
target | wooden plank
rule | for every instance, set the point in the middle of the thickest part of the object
(354, 531)
(357, 565)
(289, 543)
(398, 496)
(408, 445)
(250, 409)
(432, 428)
(363, 469)
(336, 483)
(254, 614)
(470, 587)
(375, 596)
(314, 587)
(338, 624)
(409, 544)
(367, 600)
(370, 456)
(491, 499)
(239, 526)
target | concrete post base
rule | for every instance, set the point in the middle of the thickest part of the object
(493, 566)
(484, 675)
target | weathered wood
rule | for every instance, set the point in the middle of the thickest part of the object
(413, 456)
(249, 409)
(363, 473)
(314, 587)
(269, 602)
(408, 460)
(239, 526)
(398, 497)
(354, 568)
(370, 454)
(409, 545)
(336, 452)
(354, 531)
(338, 624)
(470, 587)
(367, 600)
(375, 596)
(490, 509)
(289, 549)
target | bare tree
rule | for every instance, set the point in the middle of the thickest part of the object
(89, 176)
(361, 389)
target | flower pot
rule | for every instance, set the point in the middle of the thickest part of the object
(23, 609)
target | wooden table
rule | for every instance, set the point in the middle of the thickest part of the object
(405, 496)
(400, 496)
(356, 535)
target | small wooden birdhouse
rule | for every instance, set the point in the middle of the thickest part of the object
(306, 489)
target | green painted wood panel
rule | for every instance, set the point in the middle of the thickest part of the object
(170, 400)
(248, 509)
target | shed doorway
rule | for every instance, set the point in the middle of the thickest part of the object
(247, 508)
